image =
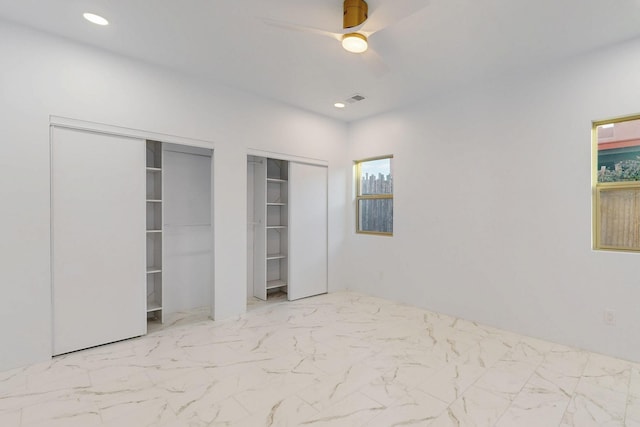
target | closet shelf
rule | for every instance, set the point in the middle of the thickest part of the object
(154, 231)
(154, 201)
(153, 306)
(273, 284)
(276, 204)
(150, 169)
(276, 227)
(276, 180)
(151, 270)
(276, 256)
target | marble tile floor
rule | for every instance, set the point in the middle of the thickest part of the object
(342, 359)
(180, 318)
(254, 303)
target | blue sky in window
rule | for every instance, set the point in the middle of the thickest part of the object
(374, 167)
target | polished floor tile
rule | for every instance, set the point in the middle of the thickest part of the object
(342, 359)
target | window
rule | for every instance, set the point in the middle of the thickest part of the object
(374, 197)
(616, 178)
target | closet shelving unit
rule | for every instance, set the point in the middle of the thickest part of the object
(270, 221)
(276, 225)
(154, 230)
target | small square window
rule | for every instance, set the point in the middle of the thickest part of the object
(374, 197)
(616, 181)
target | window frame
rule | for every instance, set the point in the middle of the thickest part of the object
(599, 187)
(359, 196)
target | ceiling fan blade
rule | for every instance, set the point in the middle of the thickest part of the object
(391, 12)
(375, 63)
(302, 29)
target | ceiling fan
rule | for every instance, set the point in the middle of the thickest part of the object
(358, 25)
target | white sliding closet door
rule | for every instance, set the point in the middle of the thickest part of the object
(98, 238)
(307, 230)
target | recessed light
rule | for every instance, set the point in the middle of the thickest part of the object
(339, 105)
(96, 19)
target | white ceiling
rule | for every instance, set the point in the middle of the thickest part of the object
(441, 44)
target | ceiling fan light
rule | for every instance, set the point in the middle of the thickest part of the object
(354, 43)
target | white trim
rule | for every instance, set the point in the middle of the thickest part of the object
(66, 122)
(288, 157)
(51, 237)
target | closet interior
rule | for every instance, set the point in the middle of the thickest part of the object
(179, 229)
(154, 229)
(286, 229)
(268, 218)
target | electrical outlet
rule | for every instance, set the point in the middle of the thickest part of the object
(609, 317)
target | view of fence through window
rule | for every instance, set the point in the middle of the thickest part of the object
(617, 201)
(619, 151)
(375, 196)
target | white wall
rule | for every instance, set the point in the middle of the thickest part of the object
(42, 76)
(188, 247)
(493, 205)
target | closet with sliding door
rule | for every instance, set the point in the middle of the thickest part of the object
(287, 227)
(131, 230)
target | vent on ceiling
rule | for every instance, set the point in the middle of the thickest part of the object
(353, 99)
